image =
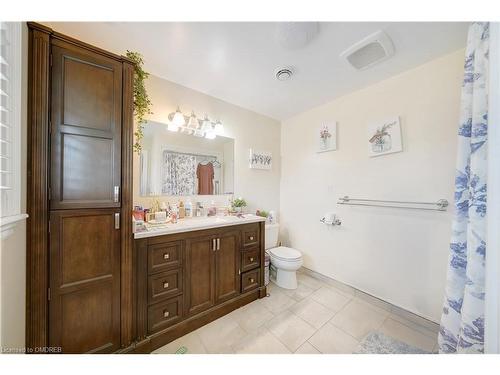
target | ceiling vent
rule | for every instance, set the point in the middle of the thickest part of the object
(373, 49)
(284, 74)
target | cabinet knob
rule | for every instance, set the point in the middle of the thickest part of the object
(166, 314)
(251, 259)
(252, 280)
(251, 238)
(165, 285)
(166, 256)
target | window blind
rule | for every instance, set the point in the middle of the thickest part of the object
(10, 118)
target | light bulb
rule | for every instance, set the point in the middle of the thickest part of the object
(207, 125)
(178, 119)
(193, 121)
(210, 133)
(219, 128)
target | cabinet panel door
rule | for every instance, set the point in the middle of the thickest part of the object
(84, 307)
(86, 129)
(227, 265)
(200, 274)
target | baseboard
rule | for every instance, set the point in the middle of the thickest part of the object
(394, 309)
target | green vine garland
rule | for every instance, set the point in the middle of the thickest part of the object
(142, 104)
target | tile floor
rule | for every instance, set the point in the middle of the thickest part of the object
(315, 318)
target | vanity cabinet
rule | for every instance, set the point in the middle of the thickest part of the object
(186, 280)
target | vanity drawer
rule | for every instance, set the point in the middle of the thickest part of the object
(250, 280)
(250, 259)
(164, 314)
(164, 285)
(164, 256)
(250, 234)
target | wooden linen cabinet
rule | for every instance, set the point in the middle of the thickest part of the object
(79, 253)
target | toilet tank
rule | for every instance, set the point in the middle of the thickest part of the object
(272, 231)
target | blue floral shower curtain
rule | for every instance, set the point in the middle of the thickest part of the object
(462, 321)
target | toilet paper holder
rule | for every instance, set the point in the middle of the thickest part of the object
(330, 219)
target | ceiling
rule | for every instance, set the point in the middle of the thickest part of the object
(236, 62)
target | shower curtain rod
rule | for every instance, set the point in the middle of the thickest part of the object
(441, 204)
(190, 154)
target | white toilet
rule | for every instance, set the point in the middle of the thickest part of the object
(285, 261)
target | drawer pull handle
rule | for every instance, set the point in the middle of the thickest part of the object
(252, 280)
(165, 285)
(166, 256)
(251, 259)
(165, 313)
(251, 238)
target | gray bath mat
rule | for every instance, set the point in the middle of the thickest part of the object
(378, 343)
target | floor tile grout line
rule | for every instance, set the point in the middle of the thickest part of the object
(344, 305)
(343, 330)
(277, 338)
(314, 329)
(310, 343)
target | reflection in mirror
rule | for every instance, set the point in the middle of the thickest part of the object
(174, 163)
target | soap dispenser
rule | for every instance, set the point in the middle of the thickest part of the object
(189, 208)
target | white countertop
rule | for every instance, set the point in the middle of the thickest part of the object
(198, 223)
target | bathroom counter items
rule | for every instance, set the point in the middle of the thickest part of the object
(198, 223)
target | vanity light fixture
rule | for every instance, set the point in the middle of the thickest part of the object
(194, 126)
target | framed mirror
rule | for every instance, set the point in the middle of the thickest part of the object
(181, 164)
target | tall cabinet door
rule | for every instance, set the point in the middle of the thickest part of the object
(85, 173)
(86, 128)
(200, 280)
(84, 310)
(227, 263)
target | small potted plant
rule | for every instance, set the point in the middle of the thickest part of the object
(262, 213)
(238, 205)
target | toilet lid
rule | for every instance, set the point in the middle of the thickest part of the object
(285, 253)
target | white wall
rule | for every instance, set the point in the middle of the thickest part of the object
(248, 129)
(397, 255)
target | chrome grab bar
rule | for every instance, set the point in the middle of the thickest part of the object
(441, 204)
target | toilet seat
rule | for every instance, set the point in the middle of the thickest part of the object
(286, 254)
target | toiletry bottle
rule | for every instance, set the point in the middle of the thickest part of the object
(182, 210)
(212, 210)
(199, 209)
(174, 213)
(189, 208)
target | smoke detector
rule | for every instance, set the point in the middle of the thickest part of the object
(295, 35)
(372, 50)
(284, 74)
